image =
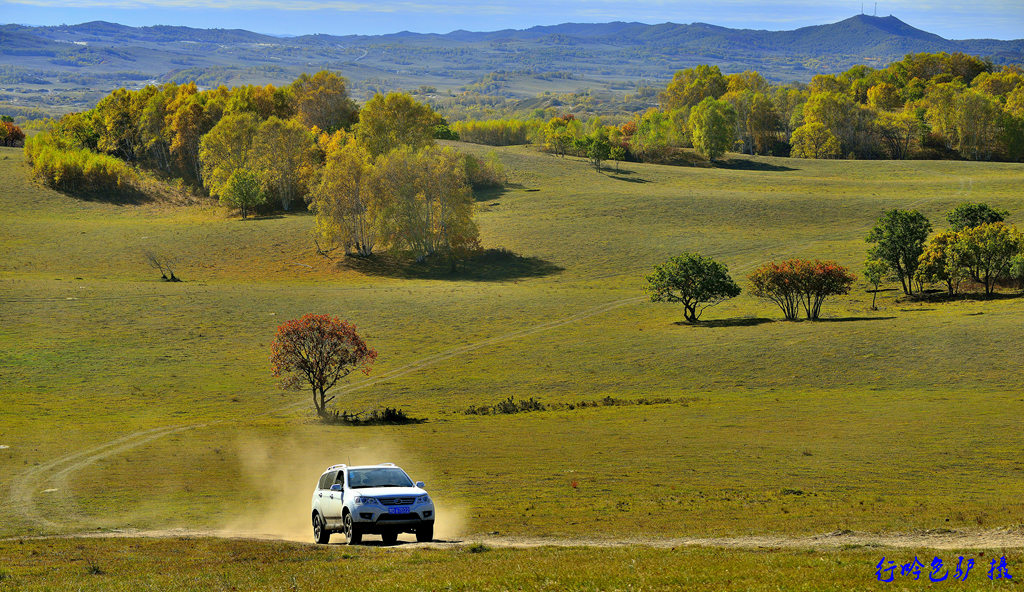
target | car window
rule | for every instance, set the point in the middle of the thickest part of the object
(341, 479)
(323, 481)
(378, 477)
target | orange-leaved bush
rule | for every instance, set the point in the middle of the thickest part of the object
(317, 351)
(800, 283)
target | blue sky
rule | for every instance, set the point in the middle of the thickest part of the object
(953, 19)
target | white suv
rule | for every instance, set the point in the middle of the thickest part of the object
(376, 499)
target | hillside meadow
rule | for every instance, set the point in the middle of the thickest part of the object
(133, 403)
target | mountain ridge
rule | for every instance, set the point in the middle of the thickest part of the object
(79, 62)
(890, 25)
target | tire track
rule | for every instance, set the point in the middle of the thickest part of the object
(24, 485)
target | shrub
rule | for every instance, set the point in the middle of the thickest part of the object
(374, 417)
(799, 283)
(78, 170)
(10, 134)
(498, 132)
(507, 407)
(485, 173)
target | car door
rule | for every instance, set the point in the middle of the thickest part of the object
(333, 500)
(323, 493)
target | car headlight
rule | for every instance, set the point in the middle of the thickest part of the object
(365, 501)
(423, 499)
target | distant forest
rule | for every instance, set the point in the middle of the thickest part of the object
(927, 105)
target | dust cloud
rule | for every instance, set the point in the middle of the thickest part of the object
(278, 478)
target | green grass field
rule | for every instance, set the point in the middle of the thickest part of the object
(896, 420)
(208, 564)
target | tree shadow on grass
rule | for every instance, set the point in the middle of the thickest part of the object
(721, 323)
(495, 192)
(742, 164)
(618, 177)
(127, 196)
(851, 319)
(488, 265)
(943, 296)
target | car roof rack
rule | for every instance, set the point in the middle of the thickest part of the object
(386, 464)
(332, 467)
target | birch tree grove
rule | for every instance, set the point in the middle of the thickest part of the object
(344, 201)
(418, 201)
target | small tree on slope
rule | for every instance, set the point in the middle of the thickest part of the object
(698, 282)
(317, 351)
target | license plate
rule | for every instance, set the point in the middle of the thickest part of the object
(398, 510)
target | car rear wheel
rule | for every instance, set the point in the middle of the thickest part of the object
(352, 532)
(425, 532)
(320, 533)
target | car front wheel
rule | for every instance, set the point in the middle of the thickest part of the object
(425, 532)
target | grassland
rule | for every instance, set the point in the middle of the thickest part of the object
(896, 420)
(189, 564)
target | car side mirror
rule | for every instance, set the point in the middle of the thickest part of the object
(336, 487)
(420, 484)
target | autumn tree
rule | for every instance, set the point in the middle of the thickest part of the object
(691, 86)
(989, 250)
(322, 101)
(885, 96)
(898, 132)
(153, 131)
(315, 352)
(396, 119)
(713, 127)
(225, 149)
(849, 122)
(186, 123)
(654, 136)
(763, 123)
(899, 237)
(939, 262)
(345, 203)
(798, 283)
(814, 140)
(696, 281)
(281, 151)
(426, 202)
(966, 119)
(10, 134)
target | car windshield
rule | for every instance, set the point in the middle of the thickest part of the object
(363, 478)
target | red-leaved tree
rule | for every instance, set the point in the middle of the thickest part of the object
(317, 351)
(798, 283)
(10, 134)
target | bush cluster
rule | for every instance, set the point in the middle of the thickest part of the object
(78, 170)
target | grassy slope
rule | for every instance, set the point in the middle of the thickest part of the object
(893, 420)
